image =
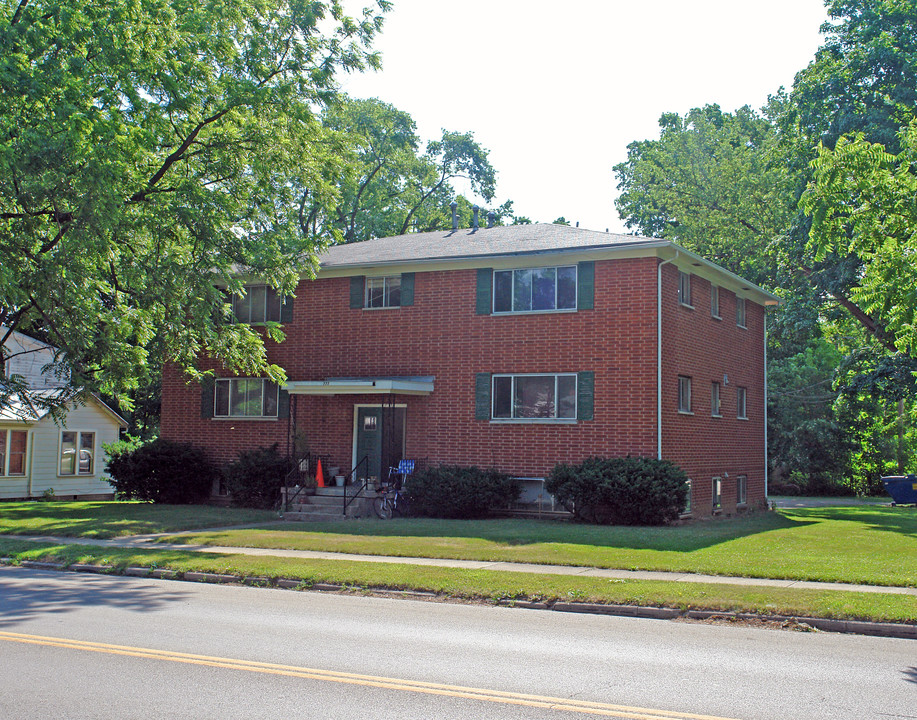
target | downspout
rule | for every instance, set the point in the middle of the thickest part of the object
(31, 451)
(766, 463)
(659, 355)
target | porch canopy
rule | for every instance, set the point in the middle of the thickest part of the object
(402, 385)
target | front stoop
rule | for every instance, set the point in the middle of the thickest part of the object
(327, 505)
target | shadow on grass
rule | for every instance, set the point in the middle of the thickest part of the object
(683, 538)
(27, 594)
(899, 520)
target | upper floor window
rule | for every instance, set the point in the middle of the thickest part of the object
(684, 288)
(245, 397)
(684, 394)
(535, 289)
(714, 301)
(741, 399)
(77, 451)
(715, 399)
(257, 304)
(530, 397)
(740, 312)
(12, 451)
(383, 292)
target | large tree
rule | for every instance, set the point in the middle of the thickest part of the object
(152, 150)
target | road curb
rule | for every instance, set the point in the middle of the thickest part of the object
(855, 627)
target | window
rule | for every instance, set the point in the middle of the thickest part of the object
(245, 397)
(715, 399)
(684, 288)
(741, 395)
(688, 498)
(714, 301)
(740, 311)
(741, 490)
(534, 397)
(535, 289)
(383, 292)
(12, 452)
(717, 494)
(257, 304)
(77, 452)
(684, 394)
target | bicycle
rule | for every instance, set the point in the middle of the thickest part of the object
(392, 499)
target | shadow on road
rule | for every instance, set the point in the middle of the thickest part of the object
(26, 594)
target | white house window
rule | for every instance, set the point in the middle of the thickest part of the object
(535, 289)
(382, 292)
(688, 498)
(684, 394)
(12, 451)
(741, 396)
(741, 490)
(245, 397)
(740, 312)
(717, 491)
(257, 304)
(715, 301)
(534, 397)
(684, 288)
(77, 452)
(715, 399)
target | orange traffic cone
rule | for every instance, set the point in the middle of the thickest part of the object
(319, 479)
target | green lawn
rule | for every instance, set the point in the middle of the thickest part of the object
(117, 519)
(488, 584)
(864, 544)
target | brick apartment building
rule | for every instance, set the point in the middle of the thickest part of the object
(512, 347)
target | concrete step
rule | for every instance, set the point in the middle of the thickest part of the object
(292, 516)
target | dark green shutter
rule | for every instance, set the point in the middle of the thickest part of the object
(585, 286)
(407, 288)
(356, 291)
(482, 396)
(283, 404)
(485, 291)
(286, 309)
(585, 395)
(207, 397)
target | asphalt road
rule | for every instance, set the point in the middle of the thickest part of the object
(87, 646)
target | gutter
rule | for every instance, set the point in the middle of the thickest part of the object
(659, 355)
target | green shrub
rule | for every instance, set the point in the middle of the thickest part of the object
(620, 491)
(161, 471)
(452, 491)
(255, 479)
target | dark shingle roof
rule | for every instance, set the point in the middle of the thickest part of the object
(468, 243)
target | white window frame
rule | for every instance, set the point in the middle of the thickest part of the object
(715, 302)
(741, 311)
(684, 395)
(387, 283)
(742, 403)
(716, 494)
(78, 451)
(5, 452)
(515, 377)
(265, 388)
(512, 293)
(265, 314)
(741, 490)
(716, 400)
(684, 288)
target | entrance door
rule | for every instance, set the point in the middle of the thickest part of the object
(380, 437)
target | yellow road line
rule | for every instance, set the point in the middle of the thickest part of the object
(551, 703)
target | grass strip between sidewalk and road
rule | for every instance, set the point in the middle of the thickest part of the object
(488, 585)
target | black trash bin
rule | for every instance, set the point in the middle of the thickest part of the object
(902, 488)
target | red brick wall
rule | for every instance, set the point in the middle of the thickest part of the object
(440, 335)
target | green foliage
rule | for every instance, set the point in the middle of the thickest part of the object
(161, 471)
(621, 491)
(255, 479)
(152, 150)
(453, 491)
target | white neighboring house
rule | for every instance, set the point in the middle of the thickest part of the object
(37, 453)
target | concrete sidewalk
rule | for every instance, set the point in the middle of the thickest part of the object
(150, 542)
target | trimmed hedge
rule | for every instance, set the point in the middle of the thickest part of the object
(162, 472)
(453, 491)
(255, 479)
(621, 491)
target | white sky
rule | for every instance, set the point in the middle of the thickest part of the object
(556, 90)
